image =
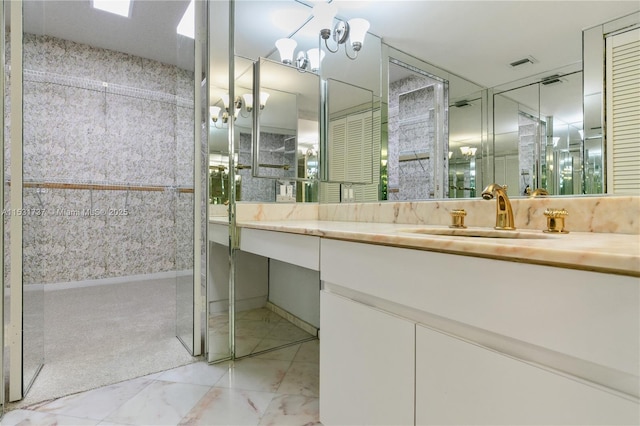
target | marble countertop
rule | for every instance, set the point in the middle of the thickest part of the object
(602, 252)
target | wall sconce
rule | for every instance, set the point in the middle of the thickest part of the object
(247, 101)
(354, 30)
(286, 47)
(219, 114)
(304, 61)
(214, 112)
(467, 151)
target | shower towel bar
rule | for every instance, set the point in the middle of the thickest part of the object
(105, 187)
(412, 156)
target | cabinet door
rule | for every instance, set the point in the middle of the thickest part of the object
(461, 383)
(367, 365)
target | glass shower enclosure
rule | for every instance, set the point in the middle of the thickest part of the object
(103, 171)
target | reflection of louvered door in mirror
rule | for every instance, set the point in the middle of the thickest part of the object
(350, 144)
(623, 112)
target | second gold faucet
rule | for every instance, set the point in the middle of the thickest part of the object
(504, 212)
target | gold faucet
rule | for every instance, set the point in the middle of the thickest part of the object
(540, 192)
(504, 212)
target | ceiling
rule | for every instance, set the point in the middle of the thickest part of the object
(473, 39)
(479, 39)
(476, 40)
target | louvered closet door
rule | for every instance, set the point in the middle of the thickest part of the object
(354, 156)
(371, 159)
(355, 147)
(623, 113)
(330, 192)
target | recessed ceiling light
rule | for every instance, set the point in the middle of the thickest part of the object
(186, 27)
(119, 7)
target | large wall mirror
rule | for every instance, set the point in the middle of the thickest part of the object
(417, 133)
(285, 133)
(538, 134)
(478, 132)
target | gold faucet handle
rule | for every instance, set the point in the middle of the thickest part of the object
(457, 218)
(555, 220)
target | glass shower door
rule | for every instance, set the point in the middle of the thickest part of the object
(191, 180)
(24, 214)
(102, 140)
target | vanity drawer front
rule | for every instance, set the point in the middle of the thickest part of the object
(301, 250)
(461, 383)
(219, 233)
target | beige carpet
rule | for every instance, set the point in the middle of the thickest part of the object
(99, 335)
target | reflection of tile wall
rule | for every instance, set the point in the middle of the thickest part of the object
(411, 128)
(274, 149)
(137, 128)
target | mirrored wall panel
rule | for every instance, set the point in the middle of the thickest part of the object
(538, 136)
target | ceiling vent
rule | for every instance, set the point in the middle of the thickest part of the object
(551, 79)
(523, 61)
(461, 104)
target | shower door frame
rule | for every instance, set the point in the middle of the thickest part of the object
(2, 88)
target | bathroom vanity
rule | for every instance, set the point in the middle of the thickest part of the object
(419, 328)
(481, 341)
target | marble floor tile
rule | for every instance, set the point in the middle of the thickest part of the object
(309, 352)
(284, 330)
(292, 410)
(268, 389)
(160, 403)
(266, 344)
(246, 345)
(261, 314)
(218, 321)
(28, 418)
(253, 328)
(256, 330)
(199, 373)
(94, 404)
(302, 378)
(255, 374)
(287, 353)
(223, 406)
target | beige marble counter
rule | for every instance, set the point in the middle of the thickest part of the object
(604, 230)
(603, 252)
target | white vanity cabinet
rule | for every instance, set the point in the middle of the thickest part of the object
(366, 363)
(496, 342)
(458, 382)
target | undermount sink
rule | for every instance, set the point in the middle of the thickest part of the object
(477, 232)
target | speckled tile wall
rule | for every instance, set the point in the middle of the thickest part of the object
(98, 116)
(411, 130)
